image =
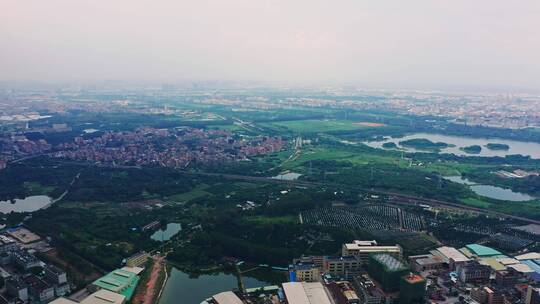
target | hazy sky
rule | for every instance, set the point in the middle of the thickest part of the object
(364, 42)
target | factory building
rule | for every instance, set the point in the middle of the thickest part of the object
(363, 249)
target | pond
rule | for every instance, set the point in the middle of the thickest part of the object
(516, 147)
(181, 288)
(492, 191)
(28, 204)
(165, 235)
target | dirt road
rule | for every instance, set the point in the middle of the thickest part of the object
(150, 291)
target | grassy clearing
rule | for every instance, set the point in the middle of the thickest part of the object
(475, 202)
(318, 154)
(314, 126)
(36, 188)
(197, 192)
(268, 220)
(328, 153)
(231, 127)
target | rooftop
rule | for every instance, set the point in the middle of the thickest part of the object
(54, 269)
(119, 281)
(428, 261)
(528, 256)
(63, 301)
(452, 253)
(135, 270)
(315, 293)
(521, 268)
(507, 261)
(493, 263)
(295, 294)
(372, 248)
(104, 297)
(481, 250)
(413, 278)
(227, 297)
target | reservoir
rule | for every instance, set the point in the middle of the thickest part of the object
(494, 192)
(531, 149)
(181, 288)
(28, 204)
(165, 235)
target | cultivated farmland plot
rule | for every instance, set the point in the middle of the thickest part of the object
(374, 217)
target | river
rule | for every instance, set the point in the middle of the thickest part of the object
(516, 147)
(181, 288)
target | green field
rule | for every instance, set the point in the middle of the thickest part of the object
(474, 202)
(231, 127)
(36, 188)
(313, 126)
(193, 194)
(267, 220)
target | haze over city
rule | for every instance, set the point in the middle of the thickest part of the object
(420, 43)
(270, 152)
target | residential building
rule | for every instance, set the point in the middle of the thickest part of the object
(25, 260)
(507, 278)
(473, 272)
(368, 291)
(346, 266)
(343, 293)
(38, 289)
(304, 272)
(17, 288)
(7, 244)
(55, 275)
(6, 299)
(533, 295)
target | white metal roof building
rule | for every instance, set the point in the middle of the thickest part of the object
(528, 256)
(305, 293)
(104, 296)
(362, 249)
(227, 297)
(450, 253)
(316, 293)
(101, 296)
(294, 293)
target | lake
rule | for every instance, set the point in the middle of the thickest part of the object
(28, 204)
(181, 288)
(516, 147)
(165, 235)
(492, 191)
